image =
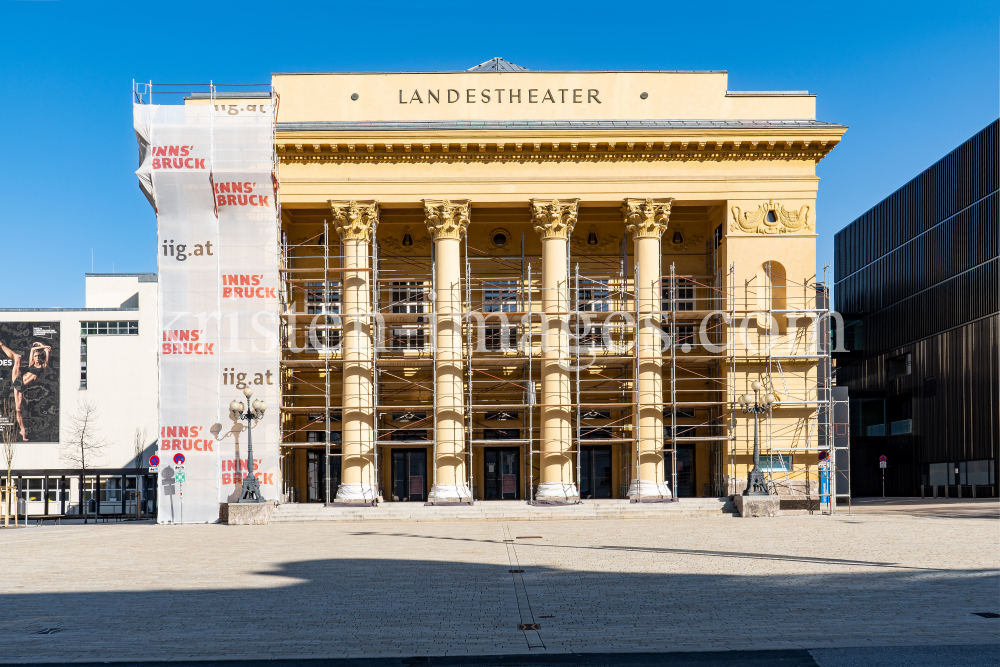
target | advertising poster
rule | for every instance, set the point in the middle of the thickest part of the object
(208, 173)
(29, 378)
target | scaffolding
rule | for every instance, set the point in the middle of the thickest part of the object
(716, 336)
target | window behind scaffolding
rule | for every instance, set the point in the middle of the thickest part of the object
(500, 296)
(408, 297)
(594, 296)
(684, 298)
(323, 304)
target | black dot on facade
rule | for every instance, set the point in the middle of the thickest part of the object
(643, 96)
(354, 96)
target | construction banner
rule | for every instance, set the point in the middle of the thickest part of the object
(209, 174)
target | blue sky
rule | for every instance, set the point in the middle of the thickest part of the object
(912, 80)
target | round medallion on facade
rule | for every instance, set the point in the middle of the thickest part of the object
(354, 96)
(643, 96)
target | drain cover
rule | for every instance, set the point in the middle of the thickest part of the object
(986, 614)
(528, 626)
(515, 571)
(49, 631)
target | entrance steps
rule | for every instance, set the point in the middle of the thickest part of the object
(502, 510)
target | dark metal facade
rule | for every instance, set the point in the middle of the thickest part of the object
(918, 281)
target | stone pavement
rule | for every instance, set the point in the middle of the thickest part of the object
(130, 592)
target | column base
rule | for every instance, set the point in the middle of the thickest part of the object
(556, 491)
(647, 490)
(449, 493)
(361, 494)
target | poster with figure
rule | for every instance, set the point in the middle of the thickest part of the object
(29, 379)
(208, 171)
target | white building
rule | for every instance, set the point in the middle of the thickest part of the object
(103, 355)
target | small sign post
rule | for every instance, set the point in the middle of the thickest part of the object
(881, 464)
(179, 478)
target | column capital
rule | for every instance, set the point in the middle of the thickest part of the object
(554, 218)
(446, 219)
(646, 218)
(354, 219)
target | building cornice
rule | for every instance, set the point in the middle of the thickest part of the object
(792, 141)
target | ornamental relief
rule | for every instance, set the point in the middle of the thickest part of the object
(554, 218)
(446, 219)
(677, 239)
(771, 218)
(407, 242)
(589, 241)
(354, 220)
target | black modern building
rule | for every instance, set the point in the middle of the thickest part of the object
(917, 282)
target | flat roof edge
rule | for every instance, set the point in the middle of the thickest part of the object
(530, 71)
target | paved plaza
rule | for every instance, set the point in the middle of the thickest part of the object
(128, 592)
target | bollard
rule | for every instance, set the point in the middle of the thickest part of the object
(973, 491)
(959, 487)
(945, 490)
(935, 491)
(921, 491)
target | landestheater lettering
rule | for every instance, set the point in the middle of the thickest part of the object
(496, 96)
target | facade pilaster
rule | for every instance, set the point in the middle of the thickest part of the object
(356, 221)
(554, 220)
(447, 222)
(646, 220)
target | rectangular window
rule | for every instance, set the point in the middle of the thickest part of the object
(407, 297)
(500, 296)
(83, 362)
(900, 366)
(685, 337)
(126, 328)
(684, 296)
(776, 462)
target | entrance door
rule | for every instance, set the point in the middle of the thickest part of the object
(501, 478)
(595, 472)
(409, 474)
(685, 472)
(316, 476)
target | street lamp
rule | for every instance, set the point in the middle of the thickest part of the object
(251, 489)
(753, 405)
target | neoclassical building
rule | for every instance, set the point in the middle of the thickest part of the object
(503, 284)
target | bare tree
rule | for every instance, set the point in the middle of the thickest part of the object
(8, 441)
(139, 447)
(83, 444)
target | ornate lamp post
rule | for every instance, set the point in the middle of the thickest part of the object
(251, 489)
(756, 483)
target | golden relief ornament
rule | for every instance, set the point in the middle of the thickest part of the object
(647, 218)
(446, 219)
(406, 243)
(771, 218)
(554, 218)
(354, 219)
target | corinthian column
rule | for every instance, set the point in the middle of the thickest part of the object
(554, 221)
(647, 220)
(447, 222)
(354, 221)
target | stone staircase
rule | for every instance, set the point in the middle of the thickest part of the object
(502, 510)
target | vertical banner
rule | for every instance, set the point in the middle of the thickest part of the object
(208, 174)
(248, 289)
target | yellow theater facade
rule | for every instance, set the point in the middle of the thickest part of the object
(552, 287)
